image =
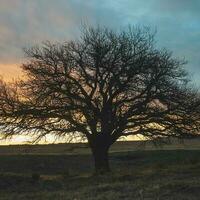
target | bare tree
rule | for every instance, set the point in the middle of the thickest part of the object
(101, 87)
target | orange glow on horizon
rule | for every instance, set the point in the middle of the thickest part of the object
(10, 71)
(50, 139)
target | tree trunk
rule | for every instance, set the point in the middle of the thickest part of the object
(101, 160)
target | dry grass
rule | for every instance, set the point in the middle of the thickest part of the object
(142, 175)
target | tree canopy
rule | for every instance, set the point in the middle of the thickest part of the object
(106, 85)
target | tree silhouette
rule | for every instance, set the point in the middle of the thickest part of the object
(101, 87)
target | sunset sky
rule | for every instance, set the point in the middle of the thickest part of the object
(24, 23)
(27, 22)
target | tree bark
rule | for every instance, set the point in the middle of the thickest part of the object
(101, 160)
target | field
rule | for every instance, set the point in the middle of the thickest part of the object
(64, 171)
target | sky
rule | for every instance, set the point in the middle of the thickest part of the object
(24, 23)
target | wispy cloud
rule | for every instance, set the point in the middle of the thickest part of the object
(26, 22)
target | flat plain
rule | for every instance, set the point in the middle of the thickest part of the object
(140, 170)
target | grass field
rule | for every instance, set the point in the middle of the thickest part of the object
(63, 172)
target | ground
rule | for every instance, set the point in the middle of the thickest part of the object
(136, 174)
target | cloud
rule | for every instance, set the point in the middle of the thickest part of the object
(25, 23)
(179, 6)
